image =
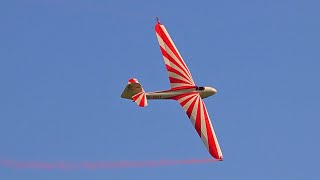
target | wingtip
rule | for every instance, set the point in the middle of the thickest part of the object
(157, 19)
(217, 158)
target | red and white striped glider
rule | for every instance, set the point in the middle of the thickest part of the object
(183, 89)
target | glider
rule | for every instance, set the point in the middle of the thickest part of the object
(183, 90)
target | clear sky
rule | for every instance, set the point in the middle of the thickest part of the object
(64, 64)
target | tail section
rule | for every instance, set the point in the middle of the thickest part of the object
(135, 92)
(140, 99)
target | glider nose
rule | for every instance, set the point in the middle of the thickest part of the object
(213, 90)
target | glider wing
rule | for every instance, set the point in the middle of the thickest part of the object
(179, 74)
(199, 117)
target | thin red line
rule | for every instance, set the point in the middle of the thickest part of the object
(97, 165)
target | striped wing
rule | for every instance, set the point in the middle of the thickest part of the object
(179, 74)
(197, 112)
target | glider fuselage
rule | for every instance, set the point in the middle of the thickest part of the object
(168, 94)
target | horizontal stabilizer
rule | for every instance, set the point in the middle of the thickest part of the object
(140, 99)
(135, 92)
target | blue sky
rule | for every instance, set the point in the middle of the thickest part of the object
(64, 64)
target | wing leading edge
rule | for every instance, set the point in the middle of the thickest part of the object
(199, 117)
(179, 74)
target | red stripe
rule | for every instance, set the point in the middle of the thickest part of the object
(182, 87)
(212, 145)
(165, 54)
(182, 95)
(141, 104)
(171, 69)
(162, 34)
(175, 80)
(198, 119)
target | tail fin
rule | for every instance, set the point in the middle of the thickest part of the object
(135, 92)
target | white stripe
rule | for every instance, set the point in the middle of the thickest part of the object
(193, 120)
(145, 103)
(167, 62)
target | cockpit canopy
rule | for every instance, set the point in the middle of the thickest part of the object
(200, 88)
